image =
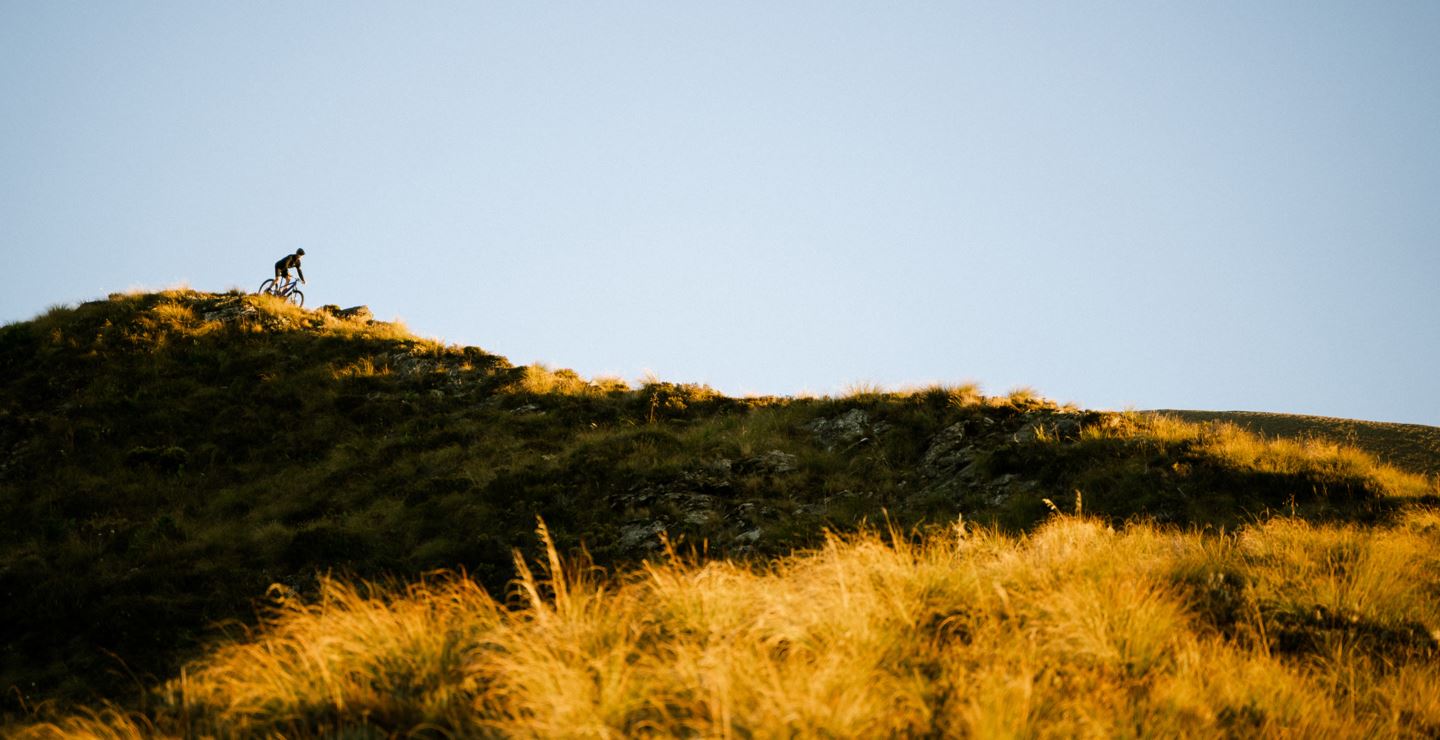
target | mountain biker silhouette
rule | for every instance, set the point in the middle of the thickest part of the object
(282, 268)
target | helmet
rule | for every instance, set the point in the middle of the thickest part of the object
(300, 252)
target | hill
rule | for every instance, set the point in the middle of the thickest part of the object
(165, 459)
(1410, 446)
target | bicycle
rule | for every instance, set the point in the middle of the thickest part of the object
(286, 291)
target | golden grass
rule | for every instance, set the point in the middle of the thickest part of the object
(107, 723)
(540, 379)
(1412, 447)
(1073, 630)
(960, 396)
(364, 367)
(1242, 450)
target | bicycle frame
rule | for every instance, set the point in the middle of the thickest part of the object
(288, 290)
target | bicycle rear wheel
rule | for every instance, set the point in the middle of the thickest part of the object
(267, 287)
(296, 297)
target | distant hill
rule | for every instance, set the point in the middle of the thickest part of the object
(1410, 446)
(167, 458)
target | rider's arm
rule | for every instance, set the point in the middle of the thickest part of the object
(300, 272)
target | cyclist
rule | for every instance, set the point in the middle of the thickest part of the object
(282, 269)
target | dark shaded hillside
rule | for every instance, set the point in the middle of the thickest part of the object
(1410, 446)
(166, 458)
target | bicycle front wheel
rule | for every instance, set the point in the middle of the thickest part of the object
(296, 297)
(267, 287)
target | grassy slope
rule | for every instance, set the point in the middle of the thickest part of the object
(1411, 446)
(164, 459)
(1285, 629)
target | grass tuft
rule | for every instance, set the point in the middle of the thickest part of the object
(1074, 629)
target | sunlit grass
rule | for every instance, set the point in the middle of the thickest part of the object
(863, 390)
(1075, 629)
(957, 394)
(364, 367)
(540, 379)
(1024, 396)
(180, 451)
(1237, 449)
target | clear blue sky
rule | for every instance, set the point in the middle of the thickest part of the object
(1211, 205)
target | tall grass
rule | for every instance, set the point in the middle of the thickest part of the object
(1237, 449)
(1075, 629)
(170, 455)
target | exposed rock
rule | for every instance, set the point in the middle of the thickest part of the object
(408, 364)
(747, 542)
(773, 462)
(1054, 427)
(700, 516)
(1029, 432)
(712, 475)
(1069, 425)
(355, 313)
(229, 310)
(849, 429)
(641, 536)
(719, 475)
(689, 502)
(950, 451)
